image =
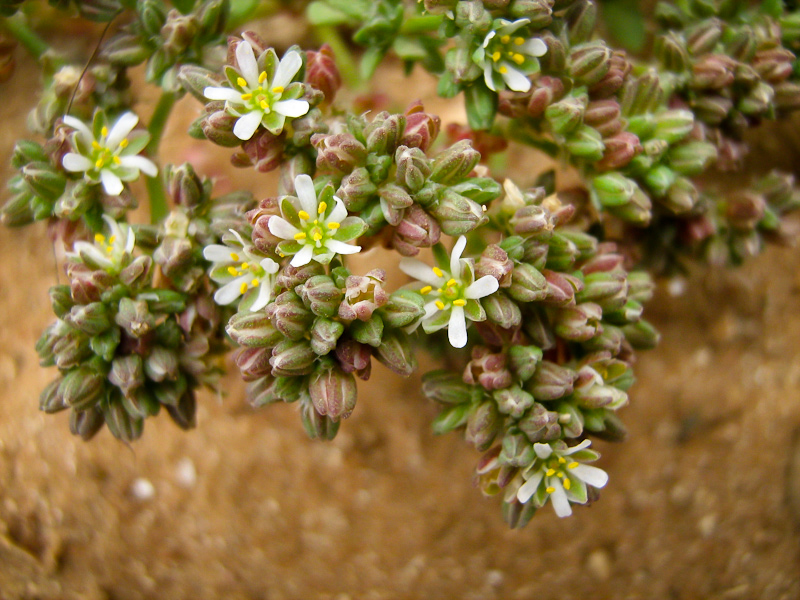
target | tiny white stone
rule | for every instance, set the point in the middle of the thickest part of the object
(142, 489)
(676, 287)
(185, 473)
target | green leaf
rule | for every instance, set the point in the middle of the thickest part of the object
(451, 418)
(322, 13)
(370, 61)
(625, 23)
(481, 104)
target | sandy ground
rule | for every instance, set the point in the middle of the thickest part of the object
(703, 502)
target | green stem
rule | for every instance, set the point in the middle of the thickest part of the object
(18, 28)
(155, 185)
(344, 59)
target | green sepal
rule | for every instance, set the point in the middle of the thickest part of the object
(105, 344)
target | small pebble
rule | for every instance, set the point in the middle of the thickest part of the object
(185, 473)
(676, 287)
(142, 489)
(599, 564)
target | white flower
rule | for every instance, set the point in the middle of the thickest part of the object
(455, 293)
(557, 474)
(507, 60)
(314, 229)
(243, 273)
(261, 98)
(108, 155)
(111, 253)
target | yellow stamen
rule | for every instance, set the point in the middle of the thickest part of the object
(459, 302)
(316, 222)
(334, 225)
(505, 39)
(116, 160)
(99, 237)
(104, 131)
(96, 146)
(560, 474)
(322, 208)
(255, 282)
(550, 472)
(451, 283)
(264, 104)
(503, 70)
(278, 89)
(300, 236)
(317, 236)
(567, 484)
(112, 239)
(109, 250)
(426, 290)
(281, 254)
(438, 272)
(263, 77)
(234, 256)
(242, 82)
(440, 305)
(550, 490)
(518, 58)
(124, 143)
(562, 460)
(100, 162)
(303, 215)
(233, 271)
(496, 56)
(243, 288)
(519, 41)
(572, 465)
(247, 97)
(245, 265)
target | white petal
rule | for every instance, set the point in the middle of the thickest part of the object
(89, 251)
(304, 189)
(269, 265)
(247, 124)
(455, 256)
(287, 68)
(560, 501)
(457, 328)
(280, 227)
(575, 448)
(223, 93)
(430, 309)
(83, 131)
(264, 293)
(341, 248)
(420, 271)
(130, 241)
(488, 38)
(145, 165)
(217, 253)
(591, 475)
(76, 162)
(529, 488)
(246, 59)
(515, 80)
(111, 183)
(231, 290)
(121, 129)
(339, 212)
(534, 47)
(291, 108)
(488, 71)
(303, 257)
(543, 451)
(508, 27)
(483, 287)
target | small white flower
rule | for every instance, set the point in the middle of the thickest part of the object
(507, 60)
(111, 253)
(261, 98)
(556, 473)
(242, 273)
(109, 156)
(455, 293)
(314, 229)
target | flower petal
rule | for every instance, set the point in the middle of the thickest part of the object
(81, 128)
(217, 253)
(76, 162)
(483, 287)
(488, 75)
(304, 189)
(543, 451)
(223, 93)
(280, 227)
(534, 47)
(303, 257)
(591, 475)
(339, 212)
(230, 291)
(111, 183)
(457, 328)
(247, 124)
(340, 247)
(264, 293)
(246, 59)
(515, 80)
(488, 38)
(420, 271)
(288, 67)
(291, 108)
(269, 266)
(529, 488)
(559, 499)
(140, 163)
(120, 130)
(455, 256)
(573, 449)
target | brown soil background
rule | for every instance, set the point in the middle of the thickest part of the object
(703, 502)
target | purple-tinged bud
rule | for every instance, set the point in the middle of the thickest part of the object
(546, 90)
(183, 185)
(578, 323)
(290, 277)
(566, 115)
(713, 71)
(472, 16)
(265, 150)
(174, 255)
(81, 388)
(70, 349)
(540, 424)
(670, 49)
(744, 211)
(620, 150)
(290, 316)
(134, 317)
(396, 353)
(395, 200)
(704, 37)
(502, 310)
(561, 288)
(681, 196)
(413, 168)
(589, 63)
(455, 163)
(354, 358)
(195, 79)
(383, 134)
(321, 71)
(448, 388)
(487, 370)
(421, 128)
(333, 391)
(86, 423)
(161, 364)
(363, 295)
(483, 425)
(774, 65)
(604, 116)
(618, 71)
(581, 17)
(137, 273)
(92, 319)
(262, 392)
(517, 450)
(590, 392)
(527, 284)
(417, 229)
(523, 360)
(121, 424)
(217, 126)
(368, 332)
(357, 189)
(551, 381)
(641, 335)
(338, 153)
(458, 215)
(531, 220)
(324, 335)
(539, 12)
(494, 261)
(513, 401)
(321, 295)
(317, 426)
(292, 358)
(51, 399)
(402, 308)
(127, 373)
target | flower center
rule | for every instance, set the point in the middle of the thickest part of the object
(450, 294)
(556, 468)
(260, 98)
(504, 48)
(240, 268)
(314, 231)
(102, 155)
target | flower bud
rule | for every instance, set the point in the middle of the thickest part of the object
(356, 189)
(321, 295)
(550, 381)
(384, 132)
(18, 209)
(317, 426)
(487, 370)
(452, 417)
(178, 32)
(126, 50)
(454, 163)
(264, 150)
(457, 214)
(51, 399)
(396, 353)
(324, 335)
(417, 229)
(581, 17)
(368, 332)
(290, 277)
(161, 364)
(483, 425)
(713, 71)
(217, 126)
(92, 319)
(641, 335)
(86, 423)
(81, 388)
(531, 220)
(338, 153)
(421, 128)
(333, 391)
(618, 71)
(620, 150)
(642, 94)
(413, 168)
(561, 288)
(604, 116)
(578, 323)
(502, 310)
(127, 373)
(539, 12)
(134, 317)
(517, 450)
(44, 181)
(758, 100)
(544, 92)
(692, 158)
(448, 388)
(613, 189)
(589, 63)
(363, 295)
(292, 358)
(787, 96)
(321, 71)
(527, 284)
(121, 424)
(354, 358)
(523, 360)
(585, 143)
(540, 424)
(566, 115)
(562, 252)
(513, 401)
(290, 316)
(402, 308)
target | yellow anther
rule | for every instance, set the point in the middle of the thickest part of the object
(243, 288)
(560, 474)
(438, 272)
(264, 104)
(496, 56)
(109, 249)
(519, 41)
(281, 254)
(567, 484)
(323, 206)
(518, 58)
(550, 490)
(247, 97)
(300, 236)
(317, 236)
(233, 271)
(234, 256)
(503, 70)
(263, 77)
(242, 82)
(112, 239)
(440, 305)
(451, 283)
(116, 160)
(99, 238)
(245, 265)
(95, 145)
(572, 465)
(255, 282)
(550, 472)
(562, 460)
(100, 162)
(303, 215)
(426, 290)
(334, 225)
(278, 89)
(104, 131)
(316, 221)
(505, 39)
(124, 143)
(459, 302)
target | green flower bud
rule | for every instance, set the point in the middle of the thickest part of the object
(642, 94)
(565, 116)
(368, 332)
(585, 143)
(513, 401)
(581, 17)
(517, 450)
(338, 153)
(86, 423)
(578, 323)
(70, 349)
(51, 399)
(502, 310)
(320, 294)
(292, 358)
(540, 424)
(255, 363)
(333, 392)
(289, 315)
(403, 308)
(527, 284)
(18, 209)
(184, 413)
(483, 425)
(384, 132)
(60, 300)
(44, 181)
(454, 163)
(396, 353)
(81, 388)
(161, 364)
(539, 12)
(641, 335)
(253, 329)
(317, 426)
(324, 335)
(120, 423)
(458, 215)
(127, 50)
(523, 360)
(550, 381)
(452, 417)
(212, 17)
(692, 158)
(395, 200)
(413, 168)
(127, 373)
(670, 49)
(589, 62)
(357, 189)
(92, 319)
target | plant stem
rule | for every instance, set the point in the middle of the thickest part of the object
(18, 28)
(155, 185)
